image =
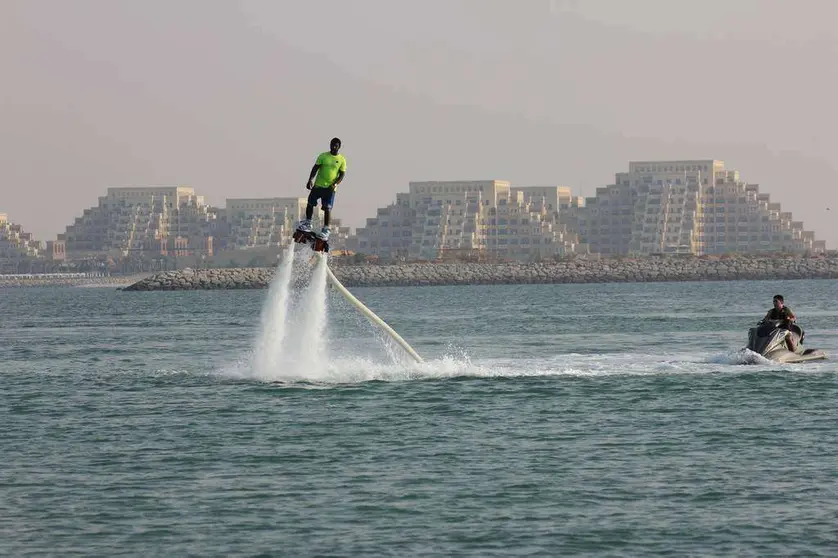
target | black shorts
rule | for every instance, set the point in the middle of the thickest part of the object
(326, 195)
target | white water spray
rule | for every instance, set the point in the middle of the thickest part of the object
(309, 357)
(268, 353)
(293, 341)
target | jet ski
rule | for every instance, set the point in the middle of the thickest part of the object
(768, 338)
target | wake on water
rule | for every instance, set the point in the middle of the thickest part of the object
(294, 342)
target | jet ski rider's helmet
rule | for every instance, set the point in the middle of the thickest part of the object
(335, 143)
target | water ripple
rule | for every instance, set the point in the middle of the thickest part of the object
(134, 425)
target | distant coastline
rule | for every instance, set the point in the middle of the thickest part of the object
(576, 270)
(70, 280)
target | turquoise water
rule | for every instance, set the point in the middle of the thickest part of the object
(601, 420)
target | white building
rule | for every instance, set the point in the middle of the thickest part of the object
(258, 222)
(144, 220)
(468, 219)
(173, 220)
(17, 245)
(691, 206)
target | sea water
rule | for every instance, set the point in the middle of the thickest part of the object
(618, 419)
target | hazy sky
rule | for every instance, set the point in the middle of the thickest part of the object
(236, 98)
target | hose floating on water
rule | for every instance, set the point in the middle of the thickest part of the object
(371, 315)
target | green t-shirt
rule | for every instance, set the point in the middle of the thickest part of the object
(329, 167)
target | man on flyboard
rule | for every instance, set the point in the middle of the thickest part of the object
(328, 171)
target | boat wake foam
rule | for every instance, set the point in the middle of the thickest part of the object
(741, 356)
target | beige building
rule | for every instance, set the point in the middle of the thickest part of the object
(469, 219)
(687, 207)
(257, 222)
(173, 220)
(738, 218)
(148, 220)
(260, 222)
(17, 246)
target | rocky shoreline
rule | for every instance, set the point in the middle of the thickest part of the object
(577, 270)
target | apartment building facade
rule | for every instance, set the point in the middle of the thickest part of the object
(260, 222)
(468, 219)
(687, 207)
(16, 245)
(20, 251)
(144, 220)
(151, 221)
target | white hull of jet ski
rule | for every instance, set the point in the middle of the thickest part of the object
(768, 339)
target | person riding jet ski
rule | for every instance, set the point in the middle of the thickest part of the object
(777, 337)
(783, 313)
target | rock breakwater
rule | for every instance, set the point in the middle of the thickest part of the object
(579, 270)
(206, 279)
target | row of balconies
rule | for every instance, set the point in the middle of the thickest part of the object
(717, 238)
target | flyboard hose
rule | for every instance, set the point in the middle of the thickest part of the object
(371, 315)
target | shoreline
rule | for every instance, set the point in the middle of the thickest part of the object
(578, 270)
(43, 281)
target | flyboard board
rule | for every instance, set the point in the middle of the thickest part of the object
(310, 237)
